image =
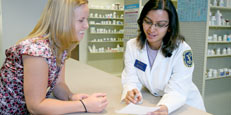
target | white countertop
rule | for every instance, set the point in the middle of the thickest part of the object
(82, 78)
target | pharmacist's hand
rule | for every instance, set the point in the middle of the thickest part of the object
(76, 97)
(162, 111)
(96, 102)
(133, 96)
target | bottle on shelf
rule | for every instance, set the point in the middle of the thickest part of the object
(221, 3)
(218, 16)
(215, 3)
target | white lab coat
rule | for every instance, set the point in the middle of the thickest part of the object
(168, 77)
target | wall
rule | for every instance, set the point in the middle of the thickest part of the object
(18, 19)
(1, 48)
(20, 16)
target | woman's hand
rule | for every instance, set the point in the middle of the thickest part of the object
(96, 102)
(76, 97)
(133, 96)
(162, 111)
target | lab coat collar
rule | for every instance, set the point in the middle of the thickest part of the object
(158, 58)
(144, 58)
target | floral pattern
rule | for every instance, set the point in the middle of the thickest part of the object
(12, 99)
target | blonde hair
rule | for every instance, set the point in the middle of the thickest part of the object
(57, 24)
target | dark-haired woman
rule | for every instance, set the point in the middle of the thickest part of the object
(160, 60)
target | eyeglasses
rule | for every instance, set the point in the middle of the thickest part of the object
(159, 24)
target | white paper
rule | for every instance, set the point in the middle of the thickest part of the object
(136, 109)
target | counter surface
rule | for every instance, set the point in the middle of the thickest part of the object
(82, 78)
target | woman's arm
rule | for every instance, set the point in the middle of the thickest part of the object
(35, 88)
(129, 77)
(180, 84)
(61, 90)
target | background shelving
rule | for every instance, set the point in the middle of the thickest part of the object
(215, 56)
(218, 78)
(218, 62)
(216, 90)
(220, 42)
(105, 40)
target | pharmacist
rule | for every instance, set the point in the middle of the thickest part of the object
(160, 60)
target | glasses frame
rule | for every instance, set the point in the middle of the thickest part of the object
(157, 25)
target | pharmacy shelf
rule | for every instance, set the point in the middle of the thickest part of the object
(106, 25)
(217, 78)
(111, 10)
(215, 56)
(98, 18)
(114, 52)
(219, 42)
(110, 61)
(198, 33)
(105, 41)
(219, 8)
(108, 33)
(220, 27)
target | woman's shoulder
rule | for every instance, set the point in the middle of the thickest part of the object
(36, 41)
(182, 48)
(36, 46)
(184, 45)
(181, 44)
(132, 42)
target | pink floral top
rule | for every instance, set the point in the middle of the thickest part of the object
(12, 99)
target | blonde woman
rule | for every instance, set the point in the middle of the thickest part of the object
(35, 67)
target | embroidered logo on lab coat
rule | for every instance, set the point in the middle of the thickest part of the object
(187, 56)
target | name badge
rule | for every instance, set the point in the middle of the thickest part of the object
(140, 65)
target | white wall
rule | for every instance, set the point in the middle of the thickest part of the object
(20, 16)
(1, 48)
(18, 19)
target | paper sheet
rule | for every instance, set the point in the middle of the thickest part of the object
(136, 109)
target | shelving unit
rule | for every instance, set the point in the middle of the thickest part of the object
(218, 78)
(216, 90)
(220, 8)
(215, 56)
(105, 40)
(107, 52)
(218, 87)
(220, 42)
(225, 43)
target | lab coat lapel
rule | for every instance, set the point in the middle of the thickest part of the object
(143, 57)
(155, 71)
(158, 60)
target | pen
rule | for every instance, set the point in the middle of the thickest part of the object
(135, 97)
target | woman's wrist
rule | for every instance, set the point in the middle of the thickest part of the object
(84, 106)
